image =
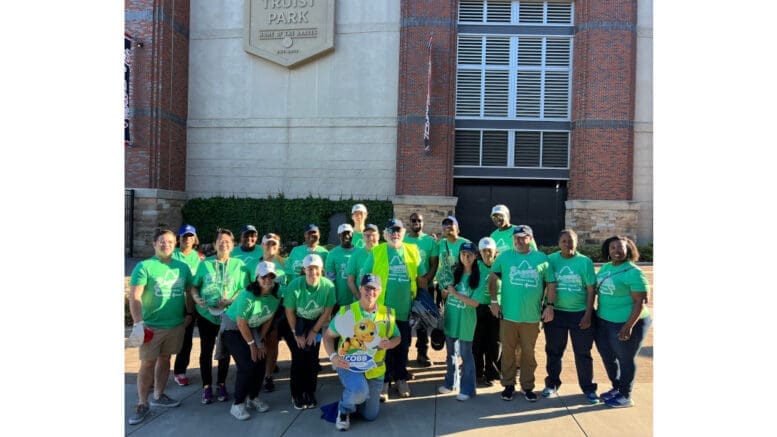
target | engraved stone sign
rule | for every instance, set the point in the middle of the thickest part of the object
(289, 32)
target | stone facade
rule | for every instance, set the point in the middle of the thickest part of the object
(596, 220)
(433, 208)
(154, 209)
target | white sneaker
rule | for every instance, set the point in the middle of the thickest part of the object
(443, 390)
(462, 397)
(239, 411)
(343, 422)
(257, 404)
(403, 389)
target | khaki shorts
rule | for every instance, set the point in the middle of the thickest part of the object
(165, 342)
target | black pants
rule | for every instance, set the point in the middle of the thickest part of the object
(485, 344)
(208, 332)
(183, 356)
(396, 358)
(249, 374)
(304, 365)
(421, 336)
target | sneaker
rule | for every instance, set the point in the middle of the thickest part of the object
(343, 422)
(530, 395)
(181, 379)
(239, 411)
(298, 403)
(483, 382)
(269, 384)
(384, 392)
(508, 393)
(164, 401)
(141, 411)
(310, 400)
(221, 393)
(462, 397)
(619, 401)
(207, 395)
(610, 394)
(423, 360)
(257, 404)
(547, 391)
(592, 397)
(403, 389)
(443, 390)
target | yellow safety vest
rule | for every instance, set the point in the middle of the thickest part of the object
(380, 266)
(384, 331)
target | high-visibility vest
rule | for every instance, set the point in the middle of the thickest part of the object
(380, 266)
(384, 331)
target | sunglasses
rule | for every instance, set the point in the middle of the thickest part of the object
(393, 230)
(370, 288)
(416, 220)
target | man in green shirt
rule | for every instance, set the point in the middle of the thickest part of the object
(525, 273)
(503, 235)
(337, 263)
(294, 263)
(248, 251)
(359, 217)
(354, 270)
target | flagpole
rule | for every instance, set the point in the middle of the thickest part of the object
(427, 127)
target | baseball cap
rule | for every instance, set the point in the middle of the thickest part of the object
(523, 230)
(264, 268)
(271, 237)
(487, 243)
(452, 219)
(248, 228)
(310, 227)
(500, 209)
(345, 227)
(187, 229)
(371, 226)
(370, 279)
(469, 247)
(359, 207)
(395, 223)
(312, 260)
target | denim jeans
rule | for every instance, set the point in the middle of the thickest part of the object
(249, 374)
(564, 325)
(360, 394)
(396, 358)
(620, 357)
(467, 377)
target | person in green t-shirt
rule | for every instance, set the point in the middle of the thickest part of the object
(218, 280)
(248, 251)
(503, 235)
(359, 217)
(525, 274)
(271, 249)
(312, 236)
(354, 269)
(575, 279)
(308, 300)
(186, 252)
(336, 265)
(623, 318)
(158, 303)
(448, 250)
(462, 299)
(485, 343)
(244, 327)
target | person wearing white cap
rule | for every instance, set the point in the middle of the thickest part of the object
(359, 217)
(312, 245)
(485, 344)
(354, 269)
(186, 252)
(249, 251)
(308, 300)
(245, 325)
(503, 234)
(337, 263)
(218, 280)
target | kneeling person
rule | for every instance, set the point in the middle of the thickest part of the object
(366, 330)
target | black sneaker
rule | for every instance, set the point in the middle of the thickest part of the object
(508, 393)
(310, 400)
(530, 396)
(269, 384)
(298, 403)
(483, 382)
(423, 360)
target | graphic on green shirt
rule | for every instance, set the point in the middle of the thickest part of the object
(615, 287)
(523, 283)
(294, 263)
(219, 280)
(309, 301)
(397, 290)
(164, 287)
(336, 270)
(460, 319)
(255, 310)
(573, 276)
(448, 257)
(358, 239)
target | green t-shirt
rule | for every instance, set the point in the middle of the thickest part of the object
(216, 279)
(255, 310)
(308, 301)
(192, 259)
(523, 283)
(449, 256)
(397, 292)
(486, 298)
(573, 275)
(460, 319)
(356, 263)
(163, 301)
(615, 287)
(336, 268)
(504, 239)
(251, 259)
(427, 247)
(294, 262)
(358, 239)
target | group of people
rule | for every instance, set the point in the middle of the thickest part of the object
(495, 297)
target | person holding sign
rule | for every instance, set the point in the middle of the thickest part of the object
(365, 330)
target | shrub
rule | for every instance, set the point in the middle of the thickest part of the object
(594, 251)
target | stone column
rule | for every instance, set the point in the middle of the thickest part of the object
(434, 209)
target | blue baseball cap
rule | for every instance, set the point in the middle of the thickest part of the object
(311, 227)
(523, 230)
(248, 228)
(469, 247)
(371, 226)
(187, 229)
(395, 223)
(371, 280)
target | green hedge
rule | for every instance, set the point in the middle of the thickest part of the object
(286, 217)
(594, 251)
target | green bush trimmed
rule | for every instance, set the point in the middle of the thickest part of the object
(594, 251)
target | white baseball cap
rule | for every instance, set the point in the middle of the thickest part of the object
(264, 268)
(500, 209)
(487, 243)
(345, 227)
(312, 260)
(359, 207)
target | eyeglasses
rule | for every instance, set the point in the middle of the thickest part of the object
(269, 276)
(370, 288)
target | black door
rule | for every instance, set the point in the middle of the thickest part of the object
(539, 204)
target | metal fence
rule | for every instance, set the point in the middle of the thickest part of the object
(129, 219)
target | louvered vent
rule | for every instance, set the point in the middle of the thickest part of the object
(557, 52)
(467, 149)
(496, 93)
(556, 94)
(498, 11)
(527, 102)
(497, 50)
(468, 92)
(555, 149)
(527, 149)
(471, 10)
(494, 148)
(529, 52)
(470, 50)
(559, 13)
(530, 12)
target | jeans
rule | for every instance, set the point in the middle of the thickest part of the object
(467, 376)
(183, 356)
(620, 357)
(208, 332)
(249, 374)
(360, 394)
(485, 344)
(564, 325)
(396, 358)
